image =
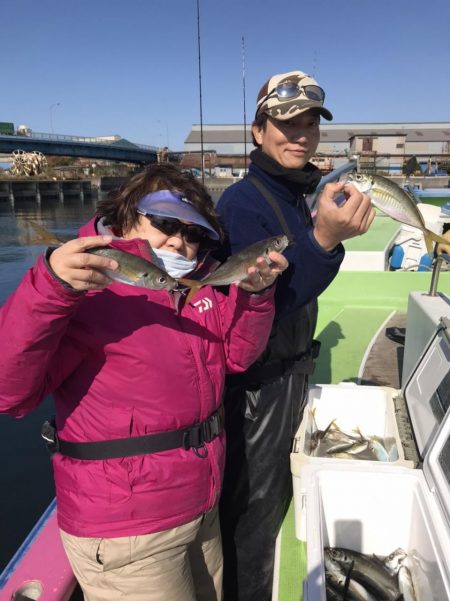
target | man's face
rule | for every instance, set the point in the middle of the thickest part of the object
(292, 142)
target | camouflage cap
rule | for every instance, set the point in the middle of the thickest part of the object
(283, 109)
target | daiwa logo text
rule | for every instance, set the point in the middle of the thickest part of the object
(203, 305)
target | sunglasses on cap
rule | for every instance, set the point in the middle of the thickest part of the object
(290, 89)
(170, 226)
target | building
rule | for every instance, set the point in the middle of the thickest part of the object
(385, 147)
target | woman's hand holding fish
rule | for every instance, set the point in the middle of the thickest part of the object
(335, 223)
(80, 269)
(264, 274)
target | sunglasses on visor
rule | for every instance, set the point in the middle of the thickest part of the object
(289, 89)
(170, 226)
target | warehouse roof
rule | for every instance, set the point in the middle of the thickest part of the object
(337, 132)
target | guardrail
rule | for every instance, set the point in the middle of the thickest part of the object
(102, 140)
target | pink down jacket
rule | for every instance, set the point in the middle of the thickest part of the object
(127, 361)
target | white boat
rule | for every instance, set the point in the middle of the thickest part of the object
(354, 313)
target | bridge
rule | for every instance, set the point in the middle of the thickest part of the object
(112, 148)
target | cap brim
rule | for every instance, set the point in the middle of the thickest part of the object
(288, 110)
(165, 203)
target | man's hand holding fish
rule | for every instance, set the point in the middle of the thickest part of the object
(338, 222)
(264, 274)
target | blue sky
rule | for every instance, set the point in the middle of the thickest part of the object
(130, 67)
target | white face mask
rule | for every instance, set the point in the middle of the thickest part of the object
(174, 264)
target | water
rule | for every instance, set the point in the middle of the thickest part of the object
(26, 479)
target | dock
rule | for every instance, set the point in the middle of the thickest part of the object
(37, 189)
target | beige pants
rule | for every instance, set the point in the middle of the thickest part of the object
(181, 564)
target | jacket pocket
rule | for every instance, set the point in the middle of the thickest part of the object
(113, 553)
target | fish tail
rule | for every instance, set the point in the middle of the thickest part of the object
(194, 286)
(428, 236)
(329, 426)
(432, 236)
(43, 235)
(357, 430)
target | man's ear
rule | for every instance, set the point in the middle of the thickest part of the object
(256, 131)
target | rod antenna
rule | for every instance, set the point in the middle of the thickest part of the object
(200, 91)
(245, 113)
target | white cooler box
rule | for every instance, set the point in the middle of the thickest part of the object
(376, 507)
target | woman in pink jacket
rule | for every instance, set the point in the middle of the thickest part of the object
(137, 377)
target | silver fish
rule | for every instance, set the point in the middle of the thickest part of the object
(368, 572)
(353, 448)
(337, 575)
(405, 584)
(394, 560)
(390, 198)
(132, 269)
(236, 267)
(378, 449)
(332, 593)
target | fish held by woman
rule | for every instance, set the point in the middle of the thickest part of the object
(235, 268)
(131, 269)
(395, 202)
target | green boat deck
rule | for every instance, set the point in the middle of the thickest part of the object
(381, 232)
(351, 312)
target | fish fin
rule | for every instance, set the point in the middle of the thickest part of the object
(194, 286)
(189, 283)
(44, 236)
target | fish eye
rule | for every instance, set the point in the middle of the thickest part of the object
(162, 280)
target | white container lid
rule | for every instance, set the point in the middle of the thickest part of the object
(436, 467)
(427, 391)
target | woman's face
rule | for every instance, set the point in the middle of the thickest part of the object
(175, 243)
(291, 143)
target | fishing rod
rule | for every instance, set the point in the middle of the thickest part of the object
(200, 91)
(245, 116)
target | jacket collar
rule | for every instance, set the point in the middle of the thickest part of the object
(290, 184)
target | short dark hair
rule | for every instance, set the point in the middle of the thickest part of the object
(119, 208)
(259, 122)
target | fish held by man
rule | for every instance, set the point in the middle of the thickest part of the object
(131, 269)
(395, 202)
(235, 268)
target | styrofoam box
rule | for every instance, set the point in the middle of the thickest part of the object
(370, 408)
(375, 511)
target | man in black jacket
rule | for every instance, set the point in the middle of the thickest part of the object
(264, 405)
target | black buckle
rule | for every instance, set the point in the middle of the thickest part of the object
(50, 436)
(206, 431)
(211, 427)
(193, 437)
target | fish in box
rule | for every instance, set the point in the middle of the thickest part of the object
(400, 422)
(374, 507)
(374, 512)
